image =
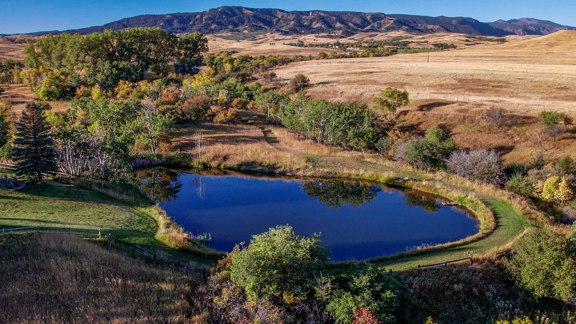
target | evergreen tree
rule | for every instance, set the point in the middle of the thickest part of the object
(33, 147)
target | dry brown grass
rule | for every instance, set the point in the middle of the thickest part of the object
(63, 279)
(524, 76)
(21, 94)
(12, 47)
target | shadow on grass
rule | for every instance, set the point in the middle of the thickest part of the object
(31, 220)
(67, 193)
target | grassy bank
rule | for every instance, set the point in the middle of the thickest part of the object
(119, 213)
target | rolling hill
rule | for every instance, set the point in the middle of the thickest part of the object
(248, 21)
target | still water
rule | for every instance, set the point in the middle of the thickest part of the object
(357, 221)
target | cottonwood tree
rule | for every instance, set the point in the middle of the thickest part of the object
(33, 148)
(153, 124)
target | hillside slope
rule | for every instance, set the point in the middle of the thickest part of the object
(529, 26)
(245, 21)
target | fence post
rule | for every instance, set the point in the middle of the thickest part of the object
(445, 264)
(154, 257)
(133, 248)
(99, 234)
(3, 231)
(470, 260)
(418, 267)
(109, 240)
(178, 265)
(37, 228)
(204, 273)
(495, 255)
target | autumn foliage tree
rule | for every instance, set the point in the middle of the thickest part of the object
(33, 148)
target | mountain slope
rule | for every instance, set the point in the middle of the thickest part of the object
(248, 20)
(529, 26)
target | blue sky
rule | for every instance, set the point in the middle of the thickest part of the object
(22, 16)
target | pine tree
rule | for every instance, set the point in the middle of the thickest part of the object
(33, 147)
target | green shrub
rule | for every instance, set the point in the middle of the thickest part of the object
(429, 152)
(372, 288)
(520, 184)
(545, 264)
(279, 263)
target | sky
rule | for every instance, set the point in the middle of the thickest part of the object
(25, 16)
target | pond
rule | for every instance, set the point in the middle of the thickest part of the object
(356, 220)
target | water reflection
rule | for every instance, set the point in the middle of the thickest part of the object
(160, 183)
(335, 193)
(357, 220)
(428, 204)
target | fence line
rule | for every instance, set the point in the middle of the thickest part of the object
(137, 249)
(98, 232)
(445, 263)
(497, 256)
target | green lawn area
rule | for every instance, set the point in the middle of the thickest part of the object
(53, 204)
(509, 226)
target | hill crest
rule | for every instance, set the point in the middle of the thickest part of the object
(245, 22)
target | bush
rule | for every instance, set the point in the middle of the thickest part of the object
(520, 184)
(566, 165)
(482, 165)
(373, 289)
(197, 107)
(499, 117)
(554, 189)
(545, 264)
(299, 82)
(226, 116)
(429, 152)
(551, 121)
(279, 263)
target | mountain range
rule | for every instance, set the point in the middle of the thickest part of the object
(246, 21)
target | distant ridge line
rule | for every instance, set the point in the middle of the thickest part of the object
(245, 22)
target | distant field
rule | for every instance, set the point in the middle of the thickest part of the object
(455, 88)
(11, 48)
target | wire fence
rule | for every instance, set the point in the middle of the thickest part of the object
(464, 261)
(97, 233)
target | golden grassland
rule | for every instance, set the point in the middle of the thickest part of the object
(63, 279)
(454, 89)
(273, 44)
(12, 47)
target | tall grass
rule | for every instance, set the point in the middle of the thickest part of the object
(63, 279)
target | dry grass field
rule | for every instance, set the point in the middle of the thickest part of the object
(455, 88)
(11, 47)
(272, 44)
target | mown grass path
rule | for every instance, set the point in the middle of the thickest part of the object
(509, 226)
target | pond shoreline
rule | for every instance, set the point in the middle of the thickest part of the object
(474, 206)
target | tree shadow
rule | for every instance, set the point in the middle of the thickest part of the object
(32, 220)
(504, 149)
(433, 105)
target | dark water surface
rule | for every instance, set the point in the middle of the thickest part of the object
(357, 220)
